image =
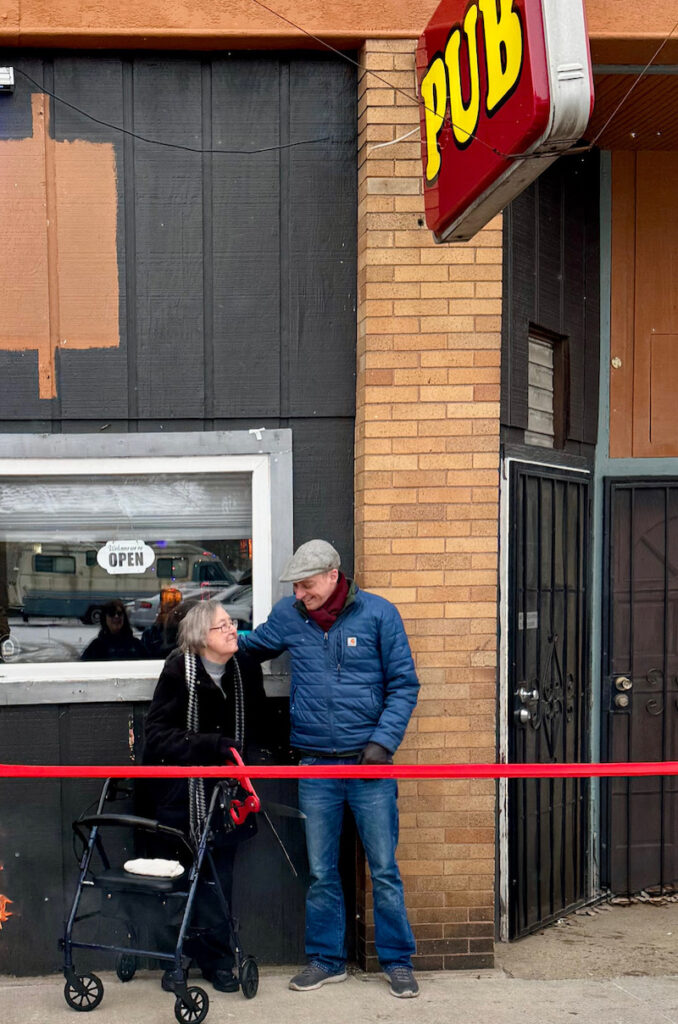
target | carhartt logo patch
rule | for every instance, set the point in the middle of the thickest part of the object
(352, 641)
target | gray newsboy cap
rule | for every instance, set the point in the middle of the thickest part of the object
(313, 557)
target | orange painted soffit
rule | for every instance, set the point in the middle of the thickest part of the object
(604, 49)
(619, 31)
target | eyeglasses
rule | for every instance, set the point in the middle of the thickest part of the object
(226, 627)
(115, 615)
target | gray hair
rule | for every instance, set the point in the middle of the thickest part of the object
(195, 625)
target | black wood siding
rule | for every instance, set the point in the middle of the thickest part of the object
(237, 280)
(552, 281)
(236, 271)
(40, 869)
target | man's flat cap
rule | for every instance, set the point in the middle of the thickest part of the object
(313, 557)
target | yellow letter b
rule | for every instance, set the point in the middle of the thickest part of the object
(503, 49)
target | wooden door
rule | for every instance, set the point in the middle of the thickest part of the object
(640, 696)
(644, 307)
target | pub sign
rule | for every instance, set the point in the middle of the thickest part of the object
(505, 86)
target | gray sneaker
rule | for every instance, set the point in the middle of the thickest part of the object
(402, 981)
(314, 976)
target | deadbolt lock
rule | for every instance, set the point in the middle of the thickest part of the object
(527, 696)
(522, 716)
(622, 700)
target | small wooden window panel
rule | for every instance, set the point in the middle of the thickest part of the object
(546, 390)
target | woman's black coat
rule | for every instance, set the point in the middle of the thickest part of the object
(168, 740)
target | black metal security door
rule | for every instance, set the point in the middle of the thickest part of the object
(548, 691)
(640, 692)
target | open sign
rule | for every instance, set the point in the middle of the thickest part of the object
(505, 87)
(125, 556)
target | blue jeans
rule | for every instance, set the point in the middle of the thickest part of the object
(374, 807)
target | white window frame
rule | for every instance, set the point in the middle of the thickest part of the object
(271, 476)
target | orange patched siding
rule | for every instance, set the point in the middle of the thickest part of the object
(58, 254)
(426, 504)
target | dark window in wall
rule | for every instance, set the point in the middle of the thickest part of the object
(551, 298)
(54, 563)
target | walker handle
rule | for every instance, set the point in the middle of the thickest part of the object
(240, 809)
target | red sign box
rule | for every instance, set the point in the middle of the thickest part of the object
(505, 86)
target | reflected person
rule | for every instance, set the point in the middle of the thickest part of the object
(160, 639)
(115, 640)
(4, 599)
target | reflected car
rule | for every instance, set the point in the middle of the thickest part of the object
(236, 599)
(238, 604)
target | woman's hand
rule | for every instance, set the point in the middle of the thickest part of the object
(226, 744)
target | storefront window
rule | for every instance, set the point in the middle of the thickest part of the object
(100, 559)
(101, 569)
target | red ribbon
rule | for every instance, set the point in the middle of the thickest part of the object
(613, 769)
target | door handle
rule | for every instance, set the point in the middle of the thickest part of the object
(623, 683)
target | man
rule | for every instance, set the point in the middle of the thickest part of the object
(353, 690)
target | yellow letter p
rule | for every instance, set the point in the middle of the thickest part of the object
(434, 98)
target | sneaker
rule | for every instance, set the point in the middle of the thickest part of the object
(222, 981)
(314, 976)
(402, 981)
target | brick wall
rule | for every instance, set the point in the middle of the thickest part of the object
(426, 505)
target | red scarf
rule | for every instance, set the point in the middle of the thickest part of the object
(326, 615)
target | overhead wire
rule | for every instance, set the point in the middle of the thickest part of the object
(507, 156)
(369, 71)
(161, 142)
(327, 138)
(245, 152)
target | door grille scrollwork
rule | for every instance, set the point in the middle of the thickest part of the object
(548, 700)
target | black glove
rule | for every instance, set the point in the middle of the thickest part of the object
(225, 744)
(374, 753)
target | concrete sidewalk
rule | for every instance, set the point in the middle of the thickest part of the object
(613, 965)
(477, 997)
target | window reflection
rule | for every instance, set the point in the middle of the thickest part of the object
(71, 545)
(4, 602)
(115, 641)
(59, 604)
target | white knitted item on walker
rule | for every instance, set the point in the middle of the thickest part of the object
(154, 867)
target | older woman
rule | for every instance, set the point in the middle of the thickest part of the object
(209, 698)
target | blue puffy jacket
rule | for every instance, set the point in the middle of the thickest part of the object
(352, 685)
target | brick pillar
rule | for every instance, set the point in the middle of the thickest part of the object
(426, 506)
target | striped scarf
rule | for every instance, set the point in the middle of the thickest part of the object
(197, 806)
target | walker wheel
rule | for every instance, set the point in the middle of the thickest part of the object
(195, 1013)
(126, 966)
(249, 977)
(85, 994)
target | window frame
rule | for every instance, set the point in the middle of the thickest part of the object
(265, 454)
